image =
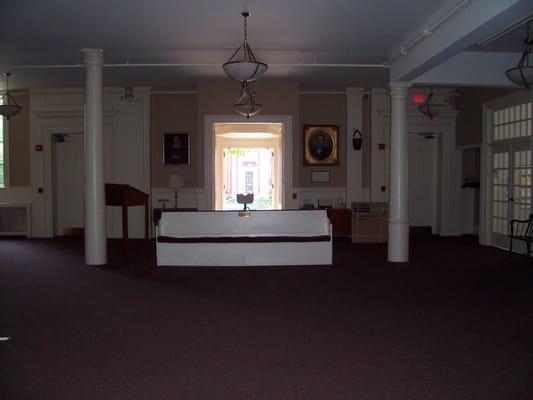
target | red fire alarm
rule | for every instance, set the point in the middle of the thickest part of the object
(419, 99)
(381, 146)
(38, 147)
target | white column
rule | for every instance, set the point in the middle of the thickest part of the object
(354, 120)
(398, 202)
(95, 224)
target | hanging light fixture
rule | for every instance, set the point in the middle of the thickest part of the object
(431, 108)
(8, 105)
(522, 74)
(246, 105)
(242, 65)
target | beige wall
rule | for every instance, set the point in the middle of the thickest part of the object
(469, 103)
(366, 155)
(173, 113)
(322, 109)
(186, 112)
(19, 143)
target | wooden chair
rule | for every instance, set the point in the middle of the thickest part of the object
(521, 230)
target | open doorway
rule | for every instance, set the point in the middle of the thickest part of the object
(248, 159)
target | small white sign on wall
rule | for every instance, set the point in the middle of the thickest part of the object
(320, 176)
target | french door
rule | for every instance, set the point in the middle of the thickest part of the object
(511, 187)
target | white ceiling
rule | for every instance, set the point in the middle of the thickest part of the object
(206, 31)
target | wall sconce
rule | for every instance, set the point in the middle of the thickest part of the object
(357, 139)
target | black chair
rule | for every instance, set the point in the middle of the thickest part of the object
(521, 230)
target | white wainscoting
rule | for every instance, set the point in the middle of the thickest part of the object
(21, 194)
(310, 195)
(187, 198)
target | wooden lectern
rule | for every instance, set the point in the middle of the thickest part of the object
(126, 196)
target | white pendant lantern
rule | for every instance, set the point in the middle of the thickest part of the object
(8, 105)
(242, 65)
(522, 74)
(246, 105)
(431, 107)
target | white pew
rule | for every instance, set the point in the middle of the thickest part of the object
(223, 238)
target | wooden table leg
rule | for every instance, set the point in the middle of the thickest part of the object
(125, 229)
(146, 221)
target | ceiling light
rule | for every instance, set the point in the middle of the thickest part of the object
(522, 74)
(431, 107)
(246, 105)
(242, 65)
(8, 105)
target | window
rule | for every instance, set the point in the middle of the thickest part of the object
(513, 122)
(248, 182)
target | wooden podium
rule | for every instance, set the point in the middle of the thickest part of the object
(126, 196)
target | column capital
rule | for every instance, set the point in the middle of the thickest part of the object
(351, 91)
(399, 87)
(93, 56)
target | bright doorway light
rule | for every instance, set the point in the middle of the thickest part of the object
(248, 159)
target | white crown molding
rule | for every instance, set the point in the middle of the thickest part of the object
(320, 189)
(68, 113)
(351, 91)
(182, 190)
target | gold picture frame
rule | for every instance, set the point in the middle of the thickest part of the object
(176, 148)
(321, 144)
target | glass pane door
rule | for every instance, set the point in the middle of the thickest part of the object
(500, 195)
(521, 183)
(511, 188)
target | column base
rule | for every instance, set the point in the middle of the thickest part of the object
(398, 242)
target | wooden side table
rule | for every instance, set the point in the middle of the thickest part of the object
(126, 196)
(341, 219)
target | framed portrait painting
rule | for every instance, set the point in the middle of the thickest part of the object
(321, 144)
(176, 148)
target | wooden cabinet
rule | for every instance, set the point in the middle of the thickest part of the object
(341, 219)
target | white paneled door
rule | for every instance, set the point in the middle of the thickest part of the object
(69, 182)
(422, 180)
(511, 188)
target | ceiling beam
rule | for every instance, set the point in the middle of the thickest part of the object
(472, 23)
(472, 68)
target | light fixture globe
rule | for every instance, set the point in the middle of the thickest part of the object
(431, 108)
(245, 70)
(8, 104)
(246, 105)
(242, 65)
(522, 74)
(9, 110)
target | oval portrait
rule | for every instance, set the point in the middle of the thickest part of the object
(320, 145)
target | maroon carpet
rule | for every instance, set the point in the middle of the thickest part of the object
(454, 323)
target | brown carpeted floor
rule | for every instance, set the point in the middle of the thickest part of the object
(454, 323)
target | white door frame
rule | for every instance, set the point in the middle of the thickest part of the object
(209, 149)
(485, 210)
(48, 187)
(271, 143)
